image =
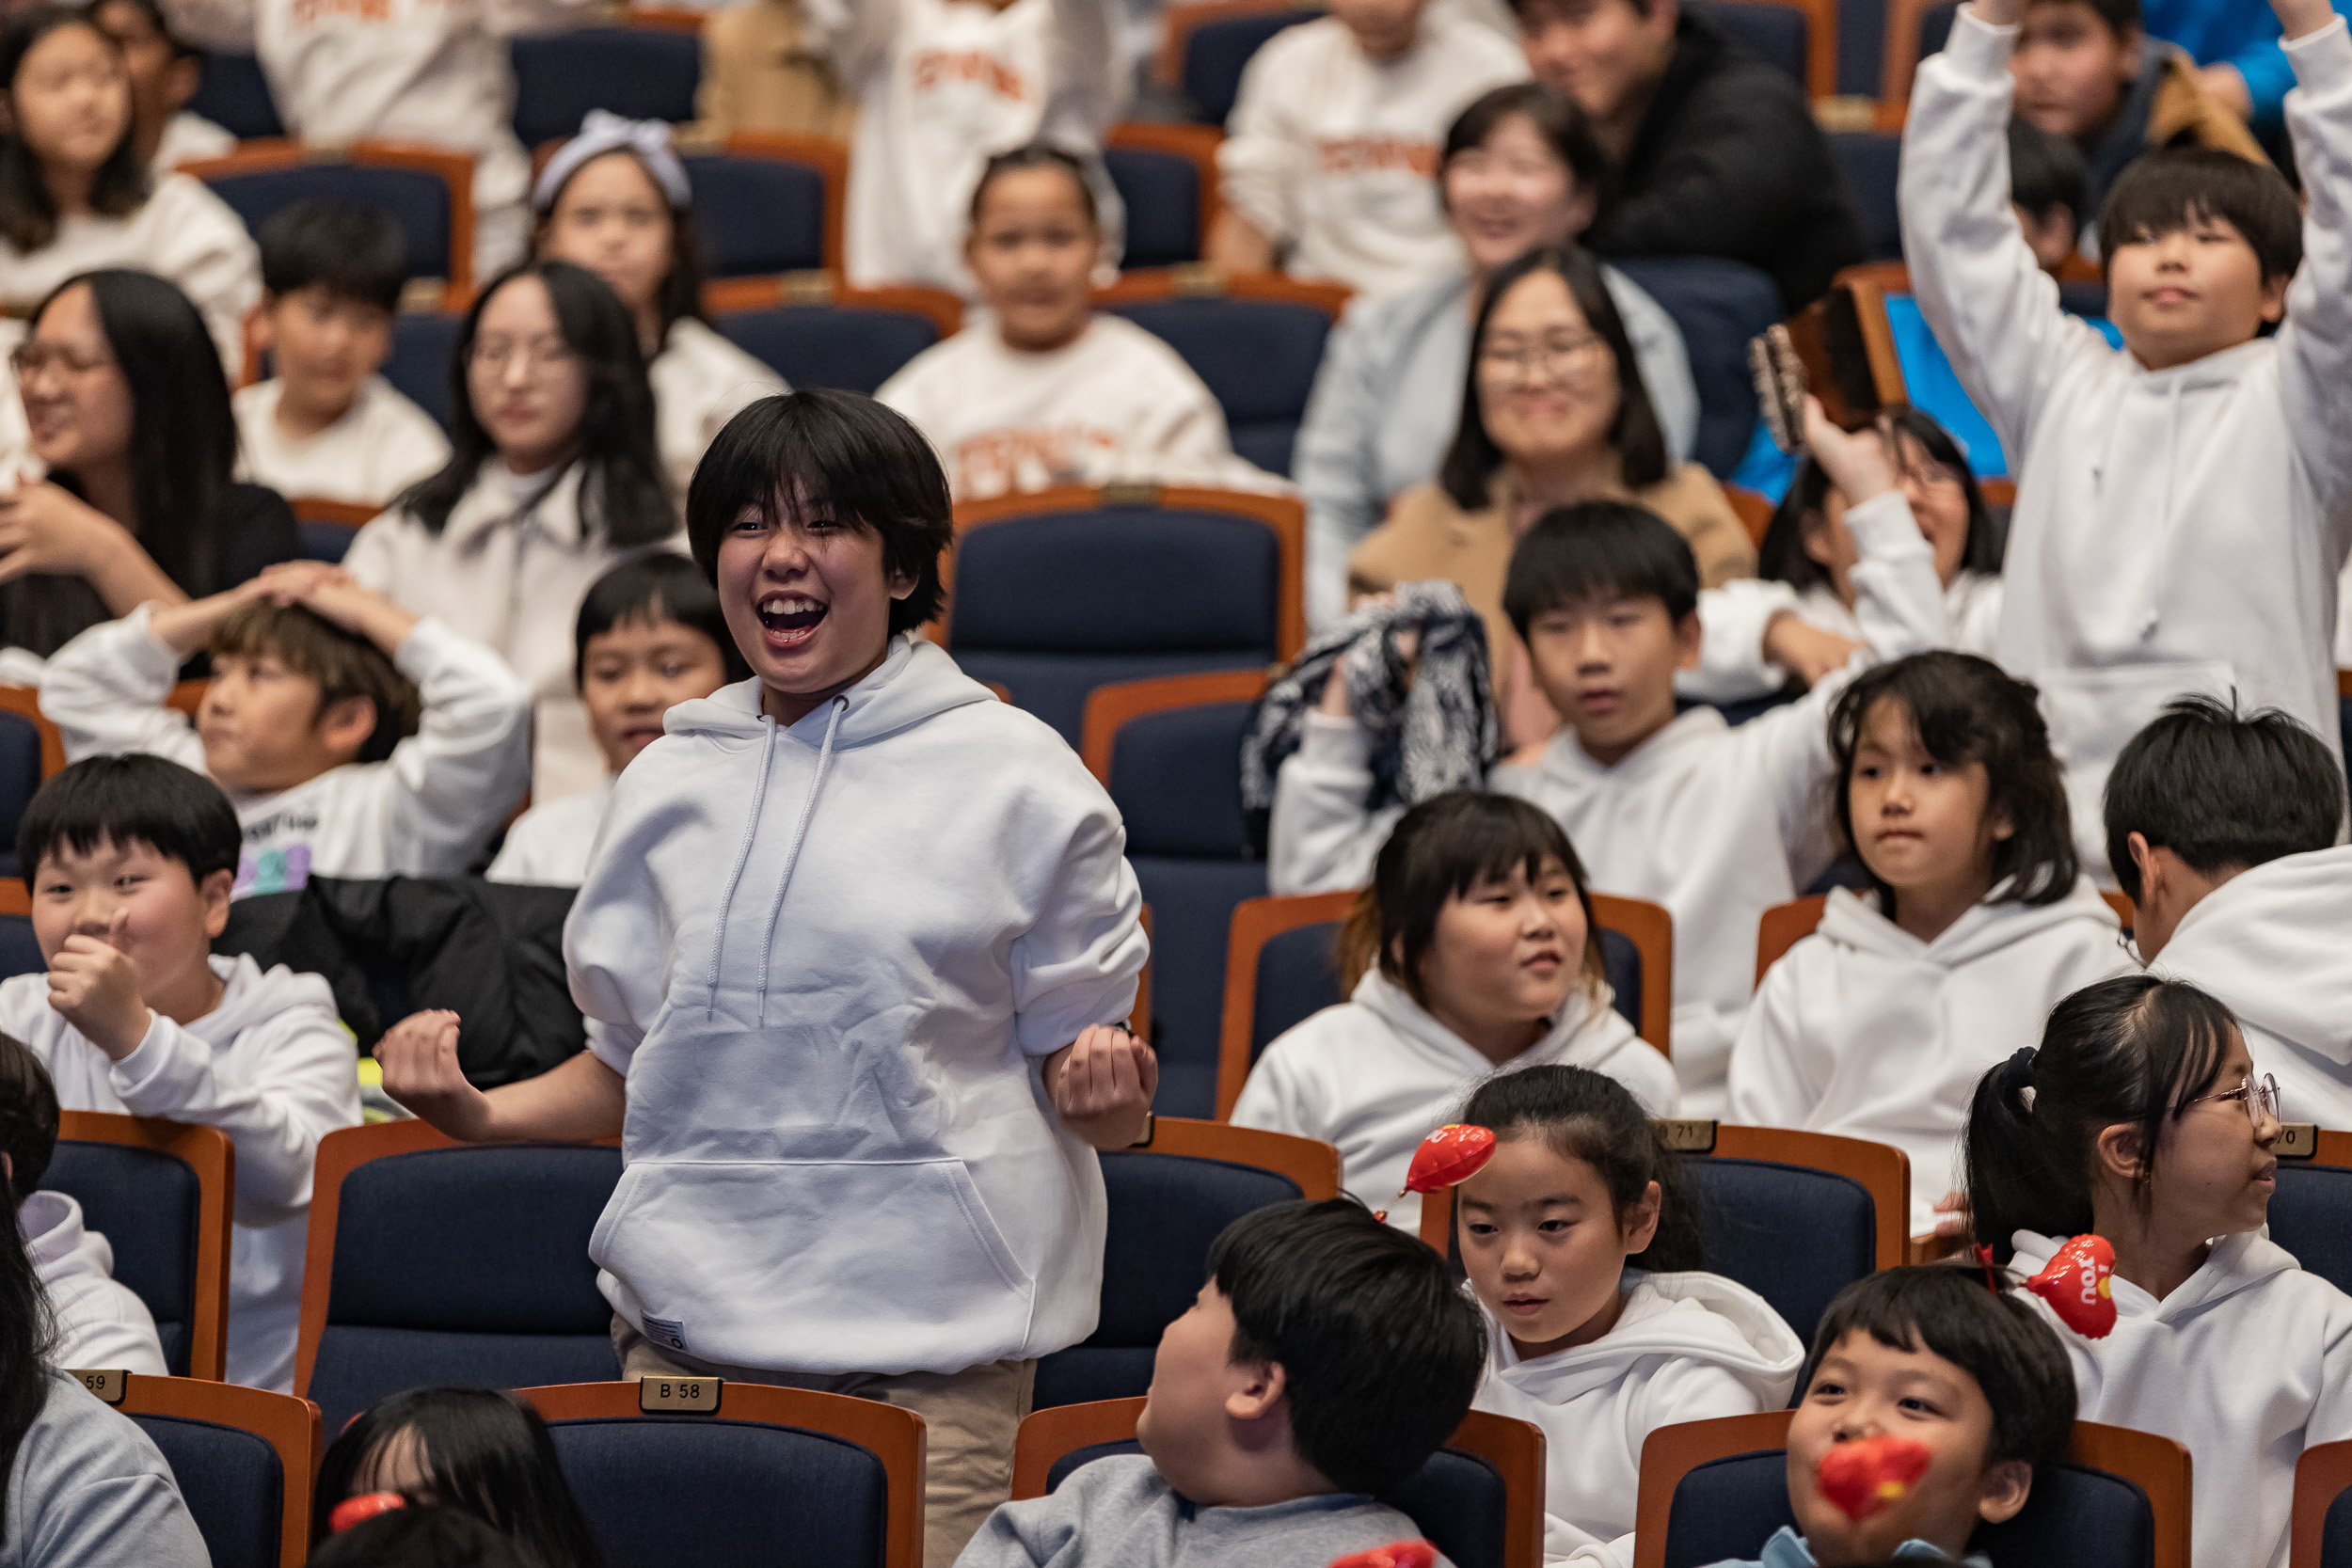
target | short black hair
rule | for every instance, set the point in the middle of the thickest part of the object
(427, 1535)
(2224, 791)
(1598, 549)
(841, 451)
(353, 252)
(660, 586)
(1995, 1337)
(2046, 171)
(1037, 154)
(1563, 126)
(1782, 558)
(2174, 187)
(28, 1119)
(181, 815)
(1380, 1352)
(1583, 1114)
(2122, 17)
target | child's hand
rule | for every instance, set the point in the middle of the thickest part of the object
(94, 986)
(1103, 1084)
(1805, 650)
(332, 595)
(44, 528)
(1856, 461)
(420, 1060)
(2300, 18)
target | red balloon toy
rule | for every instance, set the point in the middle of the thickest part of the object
(1401, 1554)
(2078, 1282)
(1447, 1157)
(358, 1509)
(1862, 1476)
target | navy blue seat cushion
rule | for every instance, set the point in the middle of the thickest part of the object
(1719, 306)
(356, 1365)
(1861, 47)
(1779, 33)
(1215, 54)
(1161, 192)
(640, 72)
(329, 542)
(233, 1483)
(1867, 159)
(419, 201)
(2311, 1215)
(1259, 358)
(1176, 778)
(2335, 1533)
(1192, 916)
(688, 1493)
(423, 344)
(145, 1203)
(19, 779)
(19, 951)
(233, 94)
(849, 348)
(1794, 1235)
(756, 216)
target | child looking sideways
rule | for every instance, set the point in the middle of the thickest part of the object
(1976, 921)
(1328, 1356)
(2140, 1118)
(1043, 392)
(1479, 954)
(890, 1033)
(1580, 1239)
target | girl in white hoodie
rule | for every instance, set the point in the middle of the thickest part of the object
(1478, 953)
(1976, 921)
(1580, 1239)
(2142, 1119)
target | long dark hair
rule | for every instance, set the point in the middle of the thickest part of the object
(1634, 433)
(623, 493)
(680, 294)
(1583, 1114)
(28, 213)
(1781, 557)
(25, 1333)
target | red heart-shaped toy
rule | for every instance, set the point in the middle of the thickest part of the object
(1401, 1554)
(1862, 1476)
(366, 1506)
(1450, 1155)
(2078, 1283)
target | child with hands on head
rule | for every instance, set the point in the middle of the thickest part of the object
(852, 949)
(1580, 1239)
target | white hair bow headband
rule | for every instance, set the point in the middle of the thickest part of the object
(605, 131)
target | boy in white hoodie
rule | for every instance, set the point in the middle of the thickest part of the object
(354, 738)
(2186, 503)
(130, 861)
(2223, 830)
(853, 949)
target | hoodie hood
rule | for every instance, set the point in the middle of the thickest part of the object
(1690, 1317)
(1587, 1011)
(251, 996)
(2269, 943)
(915, 680)
(2237, 1263)
(62, 1248)
(1694, 727)
(1853, 919)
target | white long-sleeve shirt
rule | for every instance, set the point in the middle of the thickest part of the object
(425, 811)
(700, 381)
(2176, 531)
(99, 1321)
(273, 1067)
(382, 444)
(1335, 154)
(1730, 672)
(552, 843)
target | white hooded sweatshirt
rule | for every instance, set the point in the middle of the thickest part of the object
(1688, 1347)
(1731, 668)
(2176, 531)
(1863, 1030)
(1376, 1074)
(2275, 944)
(829, 959)
(273, 1067)
(98, 1321)
(2246, 1364)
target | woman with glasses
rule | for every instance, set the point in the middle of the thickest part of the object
(126, 407)
(554, 476)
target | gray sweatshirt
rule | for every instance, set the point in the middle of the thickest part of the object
(1117, 1512)
(89, 1490)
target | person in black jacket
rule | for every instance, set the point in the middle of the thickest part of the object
(1717, 150)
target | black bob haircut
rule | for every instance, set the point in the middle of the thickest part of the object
(1599, 549)
(427, 1536)
(1583, 1114)
(2046, 172)
(1969, 709)
(651, 589)
(181, 815)
(2224, 791)
(1037, 154)
(2176, 187)
(1380, 1352)
(1995, 1338)
(1563, 126)
(353, 252)
(28, 1119)
(841, 453)
(1782, 558)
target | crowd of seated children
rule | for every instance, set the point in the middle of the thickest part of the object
(164, 72)
(1580, 1239)
(95, 1321)
(131, 860)
(1326, 162)
(326, 424)
(650, 637)
(615, 199)
(1040, 390)
(1519, 168)
(1478, 953)
(130, 418)
(1716, 823)
(555, 476)
(1325, 1360)
(2141, 1118)
(1975, 921)
(862, 797)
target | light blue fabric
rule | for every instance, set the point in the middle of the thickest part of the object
(1787, 1549)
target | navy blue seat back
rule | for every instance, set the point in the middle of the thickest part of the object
(684, 1492)
(146, 1203)
(465, 1266)
(328, 542)
(2311, 1215)
(1794, 1235)
(2335, 1533)
(1782, 34)
(1259, 358)
(1936, 28)
(1161, 192)
(233, 94)
(418, 199)
(1164, 1210)
(1215, 54)
(1719, 306)
(423, 344)
(1176, 779)
(853, 348)
(1867, 160)
(19, 951)
(234, 1483)
(1861, 47)
(1193, 590)
(756, 216)
(642, 72)
(19, 780)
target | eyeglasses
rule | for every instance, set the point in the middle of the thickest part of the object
(30, 359)
(539, 353)
(1567, 360)
(2260, 1094)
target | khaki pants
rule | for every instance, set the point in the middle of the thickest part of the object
(968, 1418)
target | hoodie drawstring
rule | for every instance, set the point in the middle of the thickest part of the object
(743, 853)
(792, 857)
(2151, 612)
